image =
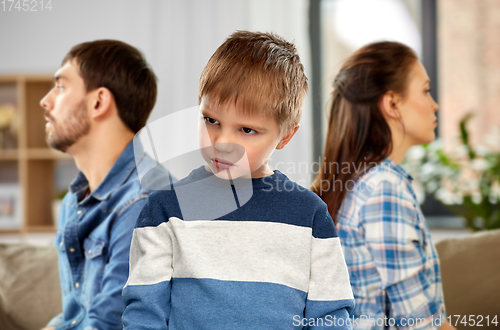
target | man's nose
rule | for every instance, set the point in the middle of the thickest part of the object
(47, 102)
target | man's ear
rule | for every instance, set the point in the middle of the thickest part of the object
(102, 101)
(288, 136)
(388, 104)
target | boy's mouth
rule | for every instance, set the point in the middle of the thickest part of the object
(221, 163)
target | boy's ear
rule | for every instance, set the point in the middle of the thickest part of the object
(102, 101)
(388, 104)
(288, 136)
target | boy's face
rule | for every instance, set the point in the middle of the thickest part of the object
(236, 144)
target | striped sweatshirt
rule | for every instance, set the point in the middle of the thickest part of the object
(258, 253)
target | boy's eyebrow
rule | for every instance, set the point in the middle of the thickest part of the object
(252, 126)
(257, 128)
(207, 113)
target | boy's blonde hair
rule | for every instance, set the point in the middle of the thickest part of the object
(259, 72)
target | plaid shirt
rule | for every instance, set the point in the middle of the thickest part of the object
(393, 265)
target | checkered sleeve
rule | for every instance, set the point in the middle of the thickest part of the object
(394, 236)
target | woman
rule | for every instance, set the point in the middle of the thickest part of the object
(381, 107)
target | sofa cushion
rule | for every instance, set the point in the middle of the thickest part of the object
(471, 276)
(29, 286)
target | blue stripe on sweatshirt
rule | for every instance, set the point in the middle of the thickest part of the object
(275, 199)
(154, 301)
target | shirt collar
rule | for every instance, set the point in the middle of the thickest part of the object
(392, 165)
(121, 170)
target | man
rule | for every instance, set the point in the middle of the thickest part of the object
(103, 95)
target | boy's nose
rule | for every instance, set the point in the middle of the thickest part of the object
(225, 147)
(231, 152)
(223, 141)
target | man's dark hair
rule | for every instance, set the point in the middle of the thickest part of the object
(123, 70)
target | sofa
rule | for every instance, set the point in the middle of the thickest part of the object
(470, 271)
(30, 294)
(29, 286)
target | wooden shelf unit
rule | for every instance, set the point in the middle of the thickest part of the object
(32, 164)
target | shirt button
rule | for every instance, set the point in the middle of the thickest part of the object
(79, 212)
(90, 251)
(60, 244)
(71, 250)
(77, 285)
(74, 322)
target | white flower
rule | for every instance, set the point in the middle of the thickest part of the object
(492, 198)
(480, 164)
(476, 197)
(435, 145)
(428, 169)
(419, 191)
(416, 153)
(493, 138)
(432, 186)
(459, 199)
(447, 197)
(495, 191)
(482, 151)
(461, 150)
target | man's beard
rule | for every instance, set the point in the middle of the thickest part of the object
(75, 126)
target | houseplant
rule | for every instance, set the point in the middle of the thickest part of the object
(465, 178)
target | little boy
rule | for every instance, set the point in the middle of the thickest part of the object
(264, 258)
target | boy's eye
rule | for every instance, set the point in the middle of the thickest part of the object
(428, 91)
(247, 130)
(211, 120)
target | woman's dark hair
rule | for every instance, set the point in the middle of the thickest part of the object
(358, 135)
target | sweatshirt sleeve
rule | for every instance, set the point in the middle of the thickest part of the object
(329, 299)
(147, 292)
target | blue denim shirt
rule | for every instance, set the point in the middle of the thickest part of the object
(93, 241)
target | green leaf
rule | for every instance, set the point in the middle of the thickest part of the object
(464, 134)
